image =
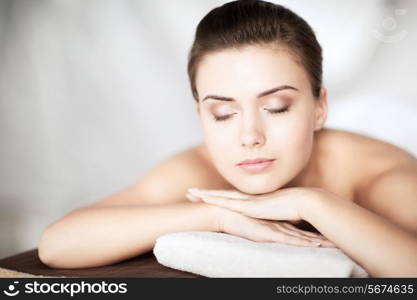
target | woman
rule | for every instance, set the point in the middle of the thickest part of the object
(268, 170)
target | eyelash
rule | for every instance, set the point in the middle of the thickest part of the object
(277, 111)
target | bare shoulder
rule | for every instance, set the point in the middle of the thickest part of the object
(366, 157)
(377, 155)
(387, 176)
(168, 181)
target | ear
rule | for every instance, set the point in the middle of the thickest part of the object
(321, 110)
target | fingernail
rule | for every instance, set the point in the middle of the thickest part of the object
(191, 190)
(316, 244)
(192, 198)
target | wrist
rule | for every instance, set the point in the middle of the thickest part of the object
(308, 205)
(215, 216)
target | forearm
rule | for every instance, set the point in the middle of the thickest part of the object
(95, 236)
(383, 248)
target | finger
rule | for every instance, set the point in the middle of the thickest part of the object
(289, 239)
(328, 244)
(193, 198)
(313, 239)
(299, 234)
(325, 242)
(293, 240)
(219, 193)
(304, 232)
(236, 205)
(275, 235)
(280, 234)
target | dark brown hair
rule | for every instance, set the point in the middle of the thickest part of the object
(251, 22)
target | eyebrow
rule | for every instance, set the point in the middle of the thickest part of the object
(265, 93)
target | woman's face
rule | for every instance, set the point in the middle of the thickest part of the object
(264, 106)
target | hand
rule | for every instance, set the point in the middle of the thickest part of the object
(284, 204)
(262, 230)
(270, 231)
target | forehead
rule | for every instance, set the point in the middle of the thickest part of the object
(235, 72)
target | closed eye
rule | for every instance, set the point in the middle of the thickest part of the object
(271, 111)
(278, 111)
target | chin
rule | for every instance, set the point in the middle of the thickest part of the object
(259, 185)
(256, 189)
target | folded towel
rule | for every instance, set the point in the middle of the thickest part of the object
(214, 254)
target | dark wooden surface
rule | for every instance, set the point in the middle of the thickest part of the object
(144, 265)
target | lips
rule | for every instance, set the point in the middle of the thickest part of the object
(254, 161)
(256, 165)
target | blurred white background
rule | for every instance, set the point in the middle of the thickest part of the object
(94, 93)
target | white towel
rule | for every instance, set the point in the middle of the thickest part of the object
(214, 254)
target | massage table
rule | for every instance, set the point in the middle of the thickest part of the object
(27, 264)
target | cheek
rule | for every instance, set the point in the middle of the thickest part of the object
(294, 138)
(220, 141)
(215, 139)
(302, 143)
(217, 134)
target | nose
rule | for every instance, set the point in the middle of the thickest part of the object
(252, 134)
